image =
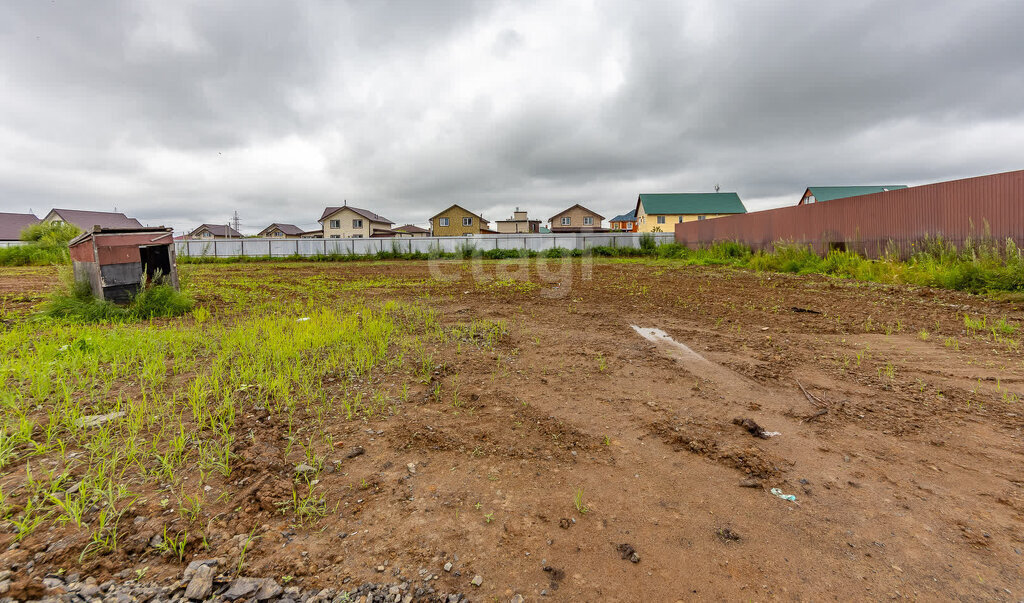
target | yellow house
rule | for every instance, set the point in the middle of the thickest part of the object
(457, 221)
(347, 222)
(660, 212)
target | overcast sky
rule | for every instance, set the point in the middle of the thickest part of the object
(181, 112)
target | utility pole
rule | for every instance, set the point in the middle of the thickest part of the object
(236, 222)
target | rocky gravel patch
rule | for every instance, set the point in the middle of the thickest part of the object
(202, 582)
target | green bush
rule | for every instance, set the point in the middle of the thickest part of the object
(45, 243)
(50, 233)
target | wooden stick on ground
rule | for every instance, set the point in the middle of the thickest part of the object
(810, 397)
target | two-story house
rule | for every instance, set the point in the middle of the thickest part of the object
(660, 212)
(347, 222)
(457, 221)
(576, 219)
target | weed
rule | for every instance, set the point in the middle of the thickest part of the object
(249, 539)
(577, 501)
(174, 544)
(191, 507)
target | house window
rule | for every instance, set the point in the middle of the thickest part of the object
(335, 223)
(588, 220)
(680, 219)
(661, 219)
(335, 236)
(566, 221)
(358, 236)
(467, 221)
(442, 221)
(701, 217)
(357, 223)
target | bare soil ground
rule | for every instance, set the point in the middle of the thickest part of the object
(900, 435)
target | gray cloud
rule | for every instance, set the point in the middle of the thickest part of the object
(181, 113)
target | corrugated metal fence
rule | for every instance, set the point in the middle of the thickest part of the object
(224, 248)
(986, 206)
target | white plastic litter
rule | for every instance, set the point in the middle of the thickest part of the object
(779, 493)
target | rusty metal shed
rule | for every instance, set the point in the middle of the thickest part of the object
(118, 261)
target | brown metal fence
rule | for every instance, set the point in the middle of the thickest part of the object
(897, 220)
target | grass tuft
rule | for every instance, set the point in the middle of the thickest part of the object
(76, 303)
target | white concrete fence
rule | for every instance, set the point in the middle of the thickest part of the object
(229, 248)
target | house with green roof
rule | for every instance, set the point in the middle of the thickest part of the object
(817, 194)
(660, 212)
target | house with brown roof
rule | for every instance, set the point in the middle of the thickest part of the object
(347, 222)
(88, 220)
(312, 234)
(518, 223)
(576, 219)
(411, 231)
(11, 226)
(457, 221)
(280, 231)
(214, 231)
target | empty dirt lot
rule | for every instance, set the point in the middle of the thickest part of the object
(569, 457)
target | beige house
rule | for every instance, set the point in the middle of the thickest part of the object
(347, 222)
(518, 223)
(214, 231)
(576, 219)
(457, 221)
(411, 231)
(281, 231)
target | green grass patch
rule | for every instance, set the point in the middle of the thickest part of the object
(76, 303)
